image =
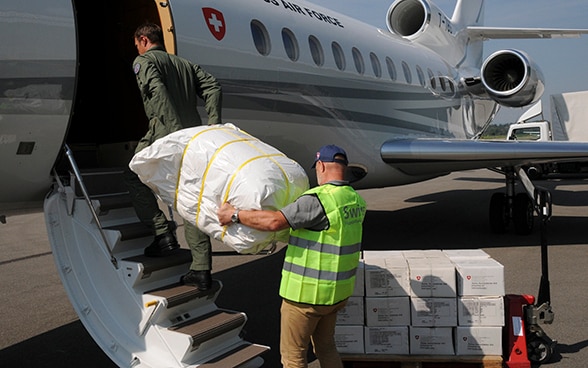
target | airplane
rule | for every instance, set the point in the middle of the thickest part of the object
(408, 103)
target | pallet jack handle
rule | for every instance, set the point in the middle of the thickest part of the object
(544, 209)
(527, 341)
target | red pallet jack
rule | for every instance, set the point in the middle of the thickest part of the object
(527, 344)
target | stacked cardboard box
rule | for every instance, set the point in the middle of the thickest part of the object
(480, 286)
(427, 302)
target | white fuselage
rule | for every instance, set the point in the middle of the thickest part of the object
(293, 90)
(387, 88)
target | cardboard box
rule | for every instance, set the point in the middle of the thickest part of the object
(359, 289)
(386, 340)
(431, 341)
(392, 311)
(378, 254)
(386, 274)
(353, 313)
(433, 312)
(480, 311)
(465, 253)
(432, 278)
(423, 254)
(349, 339)
(478, 340)
(477, 277)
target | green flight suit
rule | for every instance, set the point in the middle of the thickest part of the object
(170, 87)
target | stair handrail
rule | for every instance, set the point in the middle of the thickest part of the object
(78, 176)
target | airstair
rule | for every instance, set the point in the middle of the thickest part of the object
(134, 306)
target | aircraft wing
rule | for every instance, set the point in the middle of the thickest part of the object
(434, 156)
(486, 33)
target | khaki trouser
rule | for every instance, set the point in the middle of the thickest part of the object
(150, 214)
(304, 323)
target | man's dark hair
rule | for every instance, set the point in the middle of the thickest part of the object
(152, 31)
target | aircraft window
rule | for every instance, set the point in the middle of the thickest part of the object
(290, 44)
(260, 37)
(407, 73)
(391, 68)
(421, 75)
(376, 65)
(442, 81)
(432, 79)
(358, 60)
(339, 55)
(316, 50)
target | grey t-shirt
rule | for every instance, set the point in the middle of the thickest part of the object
(308, 212)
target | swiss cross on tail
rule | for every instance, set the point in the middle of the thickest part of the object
(215, 20)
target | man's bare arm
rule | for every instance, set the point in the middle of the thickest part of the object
(257, 219)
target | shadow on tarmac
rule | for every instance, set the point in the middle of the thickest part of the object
(67, 346)
(251, 288)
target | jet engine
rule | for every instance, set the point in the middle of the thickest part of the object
(419, 21)
(512, 79)
(423, 23)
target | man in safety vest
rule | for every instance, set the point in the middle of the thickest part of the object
(321, 259)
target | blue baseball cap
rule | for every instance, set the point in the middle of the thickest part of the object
(327, 154)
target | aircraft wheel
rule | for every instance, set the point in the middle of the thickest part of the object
(523, 214)
(498, 215)
(539, 350)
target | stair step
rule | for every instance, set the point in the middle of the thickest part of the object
(151, 264)
(133, 230)
(236, 357)
(210, 325)
(102, 181)
(177, 294)
(115, 201)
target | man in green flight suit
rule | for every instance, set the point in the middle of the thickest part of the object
(170, 87)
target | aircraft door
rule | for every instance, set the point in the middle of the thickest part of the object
(167, 25)
(37, 82)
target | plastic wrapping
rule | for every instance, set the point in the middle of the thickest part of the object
(197, 169)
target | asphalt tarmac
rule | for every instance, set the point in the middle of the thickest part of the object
(39, 328)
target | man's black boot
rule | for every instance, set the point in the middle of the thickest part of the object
(163, 245)
(201, 279)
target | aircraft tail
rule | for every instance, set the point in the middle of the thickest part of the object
(468, 13)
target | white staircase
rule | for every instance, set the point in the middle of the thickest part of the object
(133, 306)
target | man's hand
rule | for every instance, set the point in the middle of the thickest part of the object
(224, 213)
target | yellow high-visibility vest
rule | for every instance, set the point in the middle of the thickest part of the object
(320, 266)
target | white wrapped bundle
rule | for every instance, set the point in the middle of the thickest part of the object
(195, 170)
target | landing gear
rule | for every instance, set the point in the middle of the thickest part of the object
(499, 213)
(518, 209)
(523, 214)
